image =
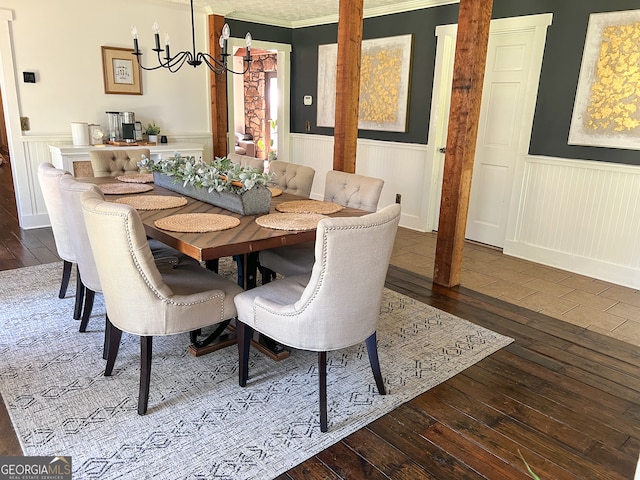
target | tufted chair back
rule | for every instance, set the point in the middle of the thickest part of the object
(116, 162)
(352, 190)
(247, 161)
(292, 178)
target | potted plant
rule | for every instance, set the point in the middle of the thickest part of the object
(152, 131)
(222, 182)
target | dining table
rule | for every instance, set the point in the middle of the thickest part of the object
(243, 242)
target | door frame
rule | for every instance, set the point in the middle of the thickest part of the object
(284, 94)
(438, 123)
(19, 167)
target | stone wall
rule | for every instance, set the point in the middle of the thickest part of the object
(255, 104)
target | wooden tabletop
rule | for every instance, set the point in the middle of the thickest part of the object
(246, 238)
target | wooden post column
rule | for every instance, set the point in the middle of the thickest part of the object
(218, 91)
(348, 85)
(474, 20)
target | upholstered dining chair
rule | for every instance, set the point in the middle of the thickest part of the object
(336, 307)
(347, 189)
(142, 297)
(292, 178)
(71, 191)
(115, 162)
(48, 177)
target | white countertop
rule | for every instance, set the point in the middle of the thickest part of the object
(83, 150)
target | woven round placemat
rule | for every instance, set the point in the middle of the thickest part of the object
(136, 178)
(275, 191)
(290, 221)
(197, 222)
(153, 202)
(124, 188)
(309, 206)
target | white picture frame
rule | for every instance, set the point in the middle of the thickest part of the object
(384, 84)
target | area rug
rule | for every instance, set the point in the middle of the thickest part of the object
(200, 423)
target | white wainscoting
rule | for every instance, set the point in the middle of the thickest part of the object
(36, 151)
(403, 167)
(577, 215)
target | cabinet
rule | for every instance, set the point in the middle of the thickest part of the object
(75, 159)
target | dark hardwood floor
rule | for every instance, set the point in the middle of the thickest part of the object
(566, 398)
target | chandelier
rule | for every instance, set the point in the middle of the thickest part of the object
(175, 62)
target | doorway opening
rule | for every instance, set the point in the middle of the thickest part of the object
(256, 103)
(259, 100)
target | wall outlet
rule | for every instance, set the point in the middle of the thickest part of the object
(24, 124)
(398, 198)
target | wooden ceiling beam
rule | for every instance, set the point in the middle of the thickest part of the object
(474, 20)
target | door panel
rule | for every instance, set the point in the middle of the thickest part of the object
(508, 58)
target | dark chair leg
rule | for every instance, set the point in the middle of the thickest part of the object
(107, 333)
(89, 296)
(243, 336)
(267, 275)
(212, 265)
(146, 346)
(113, 344)
(77, 311)
(322, 384)
(66, 275)
(372, 350)
(193, 335)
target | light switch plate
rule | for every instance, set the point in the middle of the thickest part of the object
(308, 100)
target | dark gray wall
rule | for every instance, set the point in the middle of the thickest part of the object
(558, 81)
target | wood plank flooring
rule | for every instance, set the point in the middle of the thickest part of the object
(567, 399)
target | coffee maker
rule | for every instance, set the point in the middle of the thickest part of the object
(122, 126)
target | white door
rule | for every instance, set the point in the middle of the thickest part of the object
(508, 60)
(514, 59)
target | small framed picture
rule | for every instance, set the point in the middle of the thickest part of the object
(121, 71)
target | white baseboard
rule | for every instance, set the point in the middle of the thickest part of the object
(608, 272)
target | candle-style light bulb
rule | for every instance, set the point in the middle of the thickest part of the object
(156, 34)
(134, 34)
(226, 31)
(167, 55)
(247, 42)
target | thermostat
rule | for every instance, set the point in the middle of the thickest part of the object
(308, 99)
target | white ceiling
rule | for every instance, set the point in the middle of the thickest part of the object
(302, 13)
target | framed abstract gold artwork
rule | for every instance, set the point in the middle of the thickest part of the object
(384, 84)
(606, 111)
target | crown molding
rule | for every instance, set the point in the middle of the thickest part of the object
(400, 7)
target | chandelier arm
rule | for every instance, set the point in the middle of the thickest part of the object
(219, 67)
(214, 67)
(175, 63)
(148, 69)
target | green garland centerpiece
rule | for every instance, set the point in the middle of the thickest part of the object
(221, 182)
